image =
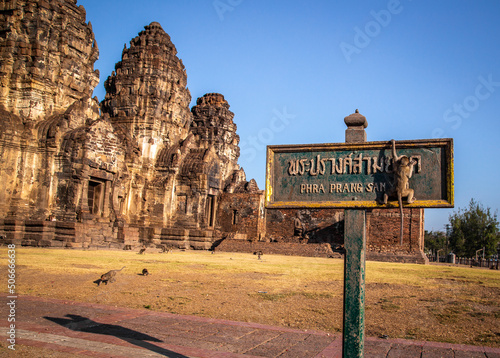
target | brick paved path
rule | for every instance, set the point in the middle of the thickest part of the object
(105, 331)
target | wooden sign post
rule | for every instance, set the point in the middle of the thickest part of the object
(359, 175)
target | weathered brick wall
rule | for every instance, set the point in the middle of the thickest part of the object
(383, 230)
(417, 257)
(326, 225)
(290, 249)
(241, 213)
(320, 225)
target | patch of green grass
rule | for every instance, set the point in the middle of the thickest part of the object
(317, 295)
(179, 299)
(481, 315)
(284, 295)
(386, 304)
(449, 313)
(431, 299)
(320, 311)
(412, 333)
(428, 276)
(391, 307)
(273, 297)
(488, 337)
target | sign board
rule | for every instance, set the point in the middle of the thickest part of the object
(356, 175)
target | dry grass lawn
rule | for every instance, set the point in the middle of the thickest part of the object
(435, 303)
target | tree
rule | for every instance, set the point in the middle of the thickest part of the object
(472, 229)
(434, 241)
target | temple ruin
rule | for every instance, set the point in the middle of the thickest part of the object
(140, 167)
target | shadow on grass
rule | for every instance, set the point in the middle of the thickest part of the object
(82, 324)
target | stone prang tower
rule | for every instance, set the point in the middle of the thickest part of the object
(138, 168)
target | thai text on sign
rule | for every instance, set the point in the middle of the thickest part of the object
(356, 175)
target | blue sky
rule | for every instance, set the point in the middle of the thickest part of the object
(292, 70)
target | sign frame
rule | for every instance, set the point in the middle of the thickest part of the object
(446, 144)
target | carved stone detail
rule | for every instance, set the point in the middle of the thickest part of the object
(48, 53)
(147, 92)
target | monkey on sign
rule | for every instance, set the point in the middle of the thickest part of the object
(403, 170)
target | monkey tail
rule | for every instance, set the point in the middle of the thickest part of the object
(400, 201)
(122, 268)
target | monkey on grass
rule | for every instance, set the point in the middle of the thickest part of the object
(145, 272)
(403, 170)
(108, 276)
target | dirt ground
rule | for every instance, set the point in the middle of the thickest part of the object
(435, 303)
